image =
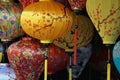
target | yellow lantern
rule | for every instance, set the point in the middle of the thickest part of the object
(105, 15)
(46, 20)
(106, 18)
(85, 34)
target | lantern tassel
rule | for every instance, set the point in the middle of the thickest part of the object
(75, 41)
(75, 46)
(108, 66)
(45, 69)
(46, 60)
(70, 68)
(1, 54)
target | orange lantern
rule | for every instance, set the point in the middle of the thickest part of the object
(46, 20)
(106, 18)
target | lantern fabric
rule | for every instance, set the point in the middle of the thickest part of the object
(10, 27)
(116, 55)
(27, 2)
(57, 60)
(106, 18)
(85, 34)
(46, 20)
(83, 56)
(77, 4)
(6, 72)
(26, 58)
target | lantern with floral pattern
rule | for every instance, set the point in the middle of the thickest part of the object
(26, 58)
(10, 27)
(106, 18)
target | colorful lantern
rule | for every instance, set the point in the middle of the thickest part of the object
(26, 58)
(106, 18)
(116, 55)
(57, 59)
(85, 34)
(6, 72)
(77, 4)
(46, 20)
(27, 2)
(10, 20)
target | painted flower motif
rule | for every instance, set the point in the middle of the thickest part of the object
(12, 22)
(5, 17)
(1, 20)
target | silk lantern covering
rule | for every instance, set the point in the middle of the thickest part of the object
(57, 60)
(77, 4)
(27, 2)
(46, 20)
(116, 55)
(6, 72)
(26, 58)
(85, 34)
(106, 18)
(10, 27)
(83, 56)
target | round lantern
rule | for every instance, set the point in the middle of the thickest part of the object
(106, 18)
(46, 20)
(77, 4)
(57, 59)
(116, 55)
(10, 20)
(85, 34)
(26, 58)
(27, 2)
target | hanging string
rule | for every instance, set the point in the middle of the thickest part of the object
(75, 40)
(108, 66)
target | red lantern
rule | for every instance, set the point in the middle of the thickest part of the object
(57, 59)
(27, 2)
(26, 59)
(77, 4)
